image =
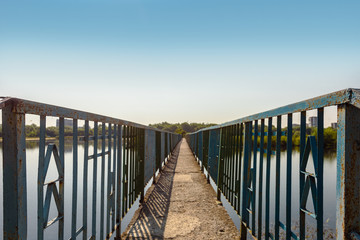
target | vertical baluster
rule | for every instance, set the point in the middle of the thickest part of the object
(210, 151)
(128, 169)
(220, 164)
(102, 193)
(267, 187)
(109, 181)
(41, 179)
(134, 164)
(94, 193)
(236, 177)
(229, 163)
(131, 167)
(288, 176)
(277, 177)
(125, 175)
(62, 178)
(119, 184)
(232, 167)
(320, 173)
(75, 179)
(85, 178)
(253, 195)
(240, 166)
(244, 223)
(142, 165)
(113, 181)
(228, 160)
(302, 177)
(261, 173)
(226, 164)
(136, 161)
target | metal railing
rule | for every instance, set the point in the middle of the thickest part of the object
(128, 158)
(235, 154)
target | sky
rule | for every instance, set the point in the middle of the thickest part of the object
(177, 60)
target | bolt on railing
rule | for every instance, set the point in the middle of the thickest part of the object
(236, 154)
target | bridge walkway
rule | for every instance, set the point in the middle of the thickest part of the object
(181, 205)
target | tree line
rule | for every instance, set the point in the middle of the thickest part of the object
(330, 134)
(33, 131)
(181, 128)
(330, 137)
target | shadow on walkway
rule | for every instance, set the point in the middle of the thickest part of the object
(151, 221)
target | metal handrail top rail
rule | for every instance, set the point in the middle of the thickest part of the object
(31, 107)
(350, 95)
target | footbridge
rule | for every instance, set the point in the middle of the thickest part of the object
(263, 176)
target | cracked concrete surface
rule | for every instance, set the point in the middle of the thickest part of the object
(181, 205)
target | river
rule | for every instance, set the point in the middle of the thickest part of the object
(32, 168)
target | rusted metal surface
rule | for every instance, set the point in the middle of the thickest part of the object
(348, 167)
(125, 158)
(355, 98)
(348, 171)
(14, 174)
(332, 99)
(31, 107)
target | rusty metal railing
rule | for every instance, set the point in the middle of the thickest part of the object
(235, 154)
(127, 159)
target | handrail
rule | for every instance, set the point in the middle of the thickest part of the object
(31, 107)
(350, 95)
(129, 157)
(235, 153)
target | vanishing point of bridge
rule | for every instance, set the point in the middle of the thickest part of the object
(87, 185)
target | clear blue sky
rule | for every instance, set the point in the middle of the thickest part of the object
(177, 60)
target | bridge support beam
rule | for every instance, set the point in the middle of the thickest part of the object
(348, 172)
(14, 174)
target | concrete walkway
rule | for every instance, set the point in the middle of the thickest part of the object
(181, 205)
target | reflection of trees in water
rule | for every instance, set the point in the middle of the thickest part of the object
(68, 144)
(67, 148)
(329, 154)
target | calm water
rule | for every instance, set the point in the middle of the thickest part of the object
(32, 154)
(32, 166)
(329, 195)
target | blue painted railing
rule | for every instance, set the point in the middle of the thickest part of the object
(234, 154)
(130, 156)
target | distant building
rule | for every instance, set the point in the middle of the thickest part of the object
(313, 121)
(67, 122)
(334, 125)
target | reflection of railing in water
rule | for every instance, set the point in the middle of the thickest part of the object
(230, 153)
(132, 153)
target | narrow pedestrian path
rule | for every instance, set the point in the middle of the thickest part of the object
(181, 205)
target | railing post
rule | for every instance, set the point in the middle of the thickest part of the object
(14, 174)
(244, 220)
(118, 182)
(142, 165)
(200, 151)
(220, 168)
(348, 172)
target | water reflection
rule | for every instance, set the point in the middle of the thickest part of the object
(329, 195)
(32, 166)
